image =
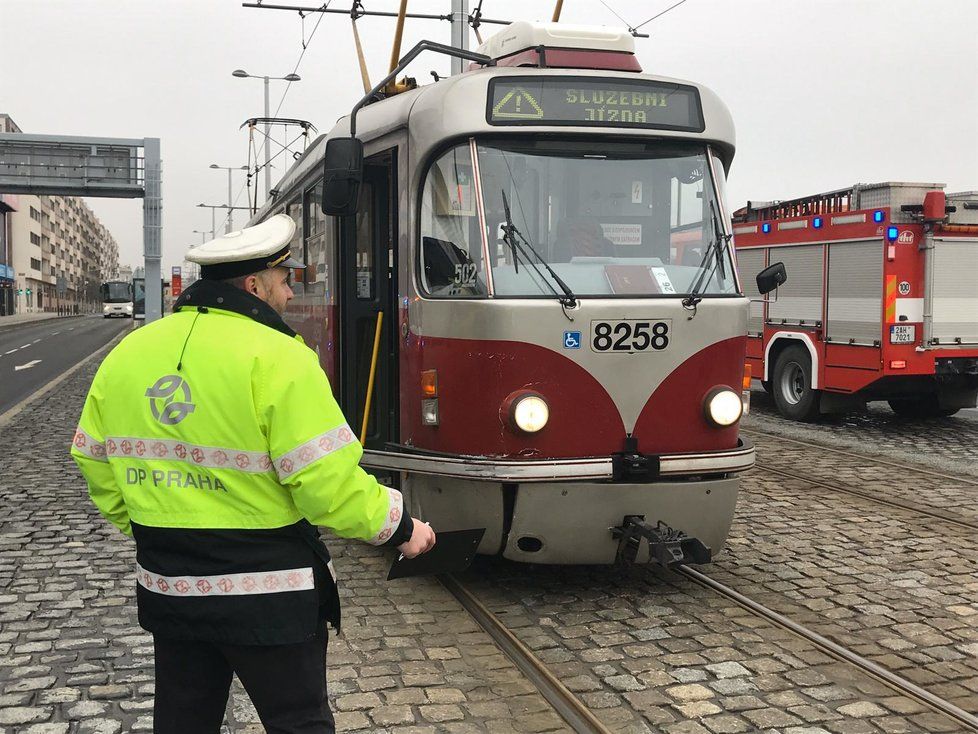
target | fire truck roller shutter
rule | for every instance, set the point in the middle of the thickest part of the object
(855, 292)
(751, 261)
(955, 314)
(800, 299)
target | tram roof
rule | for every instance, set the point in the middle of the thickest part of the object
(455, 107)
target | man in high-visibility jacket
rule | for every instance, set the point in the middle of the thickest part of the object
(213, 439)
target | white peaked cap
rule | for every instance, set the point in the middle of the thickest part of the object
(261, 240)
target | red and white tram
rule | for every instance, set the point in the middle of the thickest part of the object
(539, 254)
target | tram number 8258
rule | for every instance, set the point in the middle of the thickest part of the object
(629, 336)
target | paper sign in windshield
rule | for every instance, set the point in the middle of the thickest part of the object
(623, 234)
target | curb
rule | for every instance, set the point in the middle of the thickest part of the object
(47, 387)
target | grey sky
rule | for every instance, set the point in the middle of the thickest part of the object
(824, 93)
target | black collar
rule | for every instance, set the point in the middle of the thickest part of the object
(214, 294)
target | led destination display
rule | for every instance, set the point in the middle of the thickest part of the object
(591, 101)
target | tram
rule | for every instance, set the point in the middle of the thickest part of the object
(523, 295)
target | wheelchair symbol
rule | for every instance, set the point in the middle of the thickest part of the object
(572, 340)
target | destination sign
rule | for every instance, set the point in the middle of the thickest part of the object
(593, 101)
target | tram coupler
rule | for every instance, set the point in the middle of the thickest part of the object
(666, 546)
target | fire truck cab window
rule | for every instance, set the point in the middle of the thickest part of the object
(452, 265)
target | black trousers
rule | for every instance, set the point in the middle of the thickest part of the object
(286, 683)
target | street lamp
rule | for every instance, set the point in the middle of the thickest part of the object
(213, 208)
(229, 223)
(203, 234)
(242, 74)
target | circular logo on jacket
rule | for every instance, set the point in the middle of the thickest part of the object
(169, 399)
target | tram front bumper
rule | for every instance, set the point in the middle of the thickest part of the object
(565, 522)
(567, 511)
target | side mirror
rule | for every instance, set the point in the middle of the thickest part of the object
(771, 277)
(342, 174)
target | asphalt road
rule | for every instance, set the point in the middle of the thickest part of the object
(31, 356)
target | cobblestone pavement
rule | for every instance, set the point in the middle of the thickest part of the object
(647, 650)
(955, 496)
(946, 444)
(897, 588)
(73, 659)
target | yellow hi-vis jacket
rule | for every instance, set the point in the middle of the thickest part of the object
(213, 437)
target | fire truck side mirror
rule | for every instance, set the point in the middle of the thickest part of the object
(342, 174)
(771, 277)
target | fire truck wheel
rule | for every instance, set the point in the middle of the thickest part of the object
(792, 385)
(925, 406)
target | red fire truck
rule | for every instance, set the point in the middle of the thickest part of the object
(881, 300)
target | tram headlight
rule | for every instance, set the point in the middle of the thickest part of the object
(723, 406)
(526, 411)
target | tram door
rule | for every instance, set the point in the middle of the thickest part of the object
(368, 265)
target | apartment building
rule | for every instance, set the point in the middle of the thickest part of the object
(54, 251)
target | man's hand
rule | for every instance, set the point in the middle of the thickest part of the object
(422, 540)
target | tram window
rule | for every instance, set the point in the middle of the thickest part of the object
(365, 244)
(610, 218)
(451, 249)
(294, 210)
(318, 239)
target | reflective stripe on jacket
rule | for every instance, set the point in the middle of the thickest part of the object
(218, 461)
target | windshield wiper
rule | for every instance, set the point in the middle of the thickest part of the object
(510, 235)
(718, 248)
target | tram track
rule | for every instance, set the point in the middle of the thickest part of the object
(878, 672)
(579, 718)
(568, 706)
(865, 457)
(909, 507)
(582, 720)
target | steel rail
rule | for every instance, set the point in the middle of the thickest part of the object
(568, 706)
(845, 452)
(896, 682)
(881, 500)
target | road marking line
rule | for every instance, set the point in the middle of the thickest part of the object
(27, 366)
(55, 333)
(25, 346)
(11, 412)
(35, 341)
(12, 351)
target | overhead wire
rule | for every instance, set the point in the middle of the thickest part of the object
(659, 15)
(305, 46)
(634, 29)
(616, 14)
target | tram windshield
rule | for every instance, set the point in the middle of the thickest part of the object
(116, 292)
(609, 218)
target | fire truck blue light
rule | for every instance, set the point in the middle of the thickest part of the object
(892, 233)
(878, 216)
(817, 223)
(766, 227)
